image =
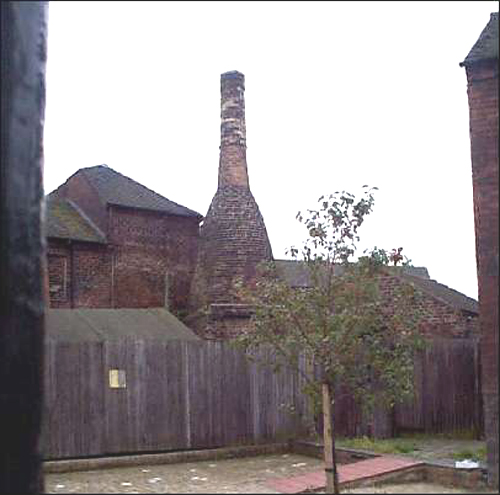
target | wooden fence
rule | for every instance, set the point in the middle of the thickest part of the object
(186, 395)
(178, 395)
(447, 389)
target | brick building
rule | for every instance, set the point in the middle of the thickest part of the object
(481, 65)
(113, 243)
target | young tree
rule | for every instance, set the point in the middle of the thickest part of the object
(344, 321)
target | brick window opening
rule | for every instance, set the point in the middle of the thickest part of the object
(58, 267)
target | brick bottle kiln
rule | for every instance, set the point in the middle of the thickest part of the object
(233, 237)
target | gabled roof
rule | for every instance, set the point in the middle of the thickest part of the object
(486, 47)
(297, 275)
(64, 220)
(99, 325)
(444, 293)
(117, 189)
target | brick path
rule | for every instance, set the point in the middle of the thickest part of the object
(348, 472)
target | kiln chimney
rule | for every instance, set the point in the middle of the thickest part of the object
(233, 237)
(232, 161)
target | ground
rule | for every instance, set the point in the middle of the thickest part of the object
(426, 448)
(241, 475)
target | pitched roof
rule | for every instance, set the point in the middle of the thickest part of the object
(444, 293)
(85, 324)
(297, 275)
(115, 188)
(64, 220)
(486, 47)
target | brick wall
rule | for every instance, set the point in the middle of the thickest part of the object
(59, 268)
(79, 274)
(130, 271)
(482, 80)
(436, 318)
(148, 247)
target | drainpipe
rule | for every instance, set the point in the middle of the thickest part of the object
(73, 274)
(165, 304)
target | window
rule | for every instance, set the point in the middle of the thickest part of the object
(58, 268)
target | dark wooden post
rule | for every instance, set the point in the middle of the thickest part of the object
(23, 37)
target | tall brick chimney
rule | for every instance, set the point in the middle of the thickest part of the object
(481, 65)
(233, 237)
(233, 139)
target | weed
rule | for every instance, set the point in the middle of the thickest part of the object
(477, 455)
(386, 446)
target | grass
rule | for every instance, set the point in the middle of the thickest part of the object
(386, 446)
(410, 442)
(475, 455)
(466, 434)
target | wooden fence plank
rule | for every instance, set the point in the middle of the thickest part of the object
(205, 395)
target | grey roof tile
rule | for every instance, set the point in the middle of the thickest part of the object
(65, 221)
(486, 47)
(85, 324)
(115, 188)
(444, 293)
(297, 275)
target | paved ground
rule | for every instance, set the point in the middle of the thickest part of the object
(242, 475)
(315, 480)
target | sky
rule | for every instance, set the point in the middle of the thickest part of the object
(337, 95)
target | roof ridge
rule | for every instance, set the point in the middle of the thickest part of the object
(142, 186)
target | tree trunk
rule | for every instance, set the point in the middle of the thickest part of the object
(332, 481)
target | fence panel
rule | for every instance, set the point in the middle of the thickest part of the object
(447, 389)
(73, 420)
(185, 395)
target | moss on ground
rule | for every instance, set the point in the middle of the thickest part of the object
(417, 443)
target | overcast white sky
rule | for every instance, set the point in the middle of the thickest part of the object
(338, 94)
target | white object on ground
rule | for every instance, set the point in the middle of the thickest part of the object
(299, 464)
(60, 486)
(126, 483)
(146, 470)
(466, 464)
